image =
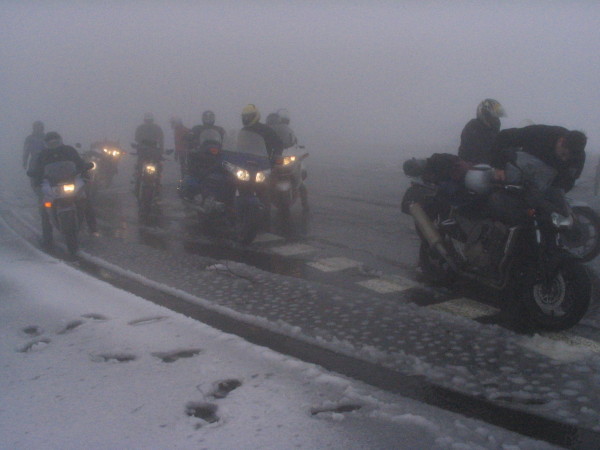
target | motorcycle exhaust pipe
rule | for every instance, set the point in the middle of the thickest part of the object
(430, 232)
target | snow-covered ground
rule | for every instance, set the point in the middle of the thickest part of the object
(85, 365)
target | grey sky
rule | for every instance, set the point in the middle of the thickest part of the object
(398, 74)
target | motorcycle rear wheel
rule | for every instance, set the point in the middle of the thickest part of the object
(561, 303)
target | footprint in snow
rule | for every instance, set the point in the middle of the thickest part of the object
(32, 330)
(146, 320)
(205, 411)
(173, 356)
(113, 357)
(224, 387)
(71, 326)
(337, 409)
(34, 346)
(94, 316)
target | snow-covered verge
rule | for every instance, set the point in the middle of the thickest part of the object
(85, 365)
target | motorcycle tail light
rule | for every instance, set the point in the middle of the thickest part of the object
(68, 188)
(47, 204)
(214, 150)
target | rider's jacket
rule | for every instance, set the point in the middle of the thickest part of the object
(272, 141)
(476, 141)
(52, 155)
(539, 141)
(150, 132)
(32, 147)
(180, 134)
(285, 134)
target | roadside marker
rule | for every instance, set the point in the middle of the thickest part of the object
(465, 307)
(334, 264)
(385, 286)
(293, 249)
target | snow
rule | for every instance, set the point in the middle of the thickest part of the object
(85, 365)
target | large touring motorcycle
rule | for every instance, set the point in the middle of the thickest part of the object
(507, 237)
(231, 184)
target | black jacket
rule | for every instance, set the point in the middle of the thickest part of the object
(476, 141)
(51, 155)
(274, 144)
(539, 141)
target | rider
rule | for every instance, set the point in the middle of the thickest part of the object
(250, 120)
(478, 134)
(148, 137)
(57, 151)
(34, 144)
(561, 149)
(208, 123)
(180, 135)
(283, 129)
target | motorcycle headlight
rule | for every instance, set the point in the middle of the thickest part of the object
(116, 153)
(68, 188)
(261, 176)
(94, 165)
(150, 169)
(560, 221)
(287, 160)
(242, 174)
(105, 150)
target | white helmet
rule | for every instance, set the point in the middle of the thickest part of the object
(479, 179)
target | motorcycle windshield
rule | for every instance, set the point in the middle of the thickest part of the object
(245, 141)
(246, 149)
(529, 168)
(60, 172)
(209, 136)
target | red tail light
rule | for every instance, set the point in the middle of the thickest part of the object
(214, 150)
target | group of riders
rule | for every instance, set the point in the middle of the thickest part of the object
(481, 142)
(41, 149)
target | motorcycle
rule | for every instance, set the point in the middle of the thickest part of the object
(287, 183)
(147, 176)
(63, 195)
(105, 156)
(507, 237)
(230, 190)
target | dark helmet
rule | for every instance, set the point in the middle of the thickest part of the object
(272, 119)
(576, 141)
(38, 127)
(284, 115)
(53, 139)
(414, 167)
(489, 112)
(250, 115)
(208, 118)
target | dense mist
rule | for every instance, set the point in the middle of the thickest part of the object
(382, 77)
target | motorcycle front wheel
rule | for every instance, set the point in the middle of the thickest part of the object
(246, 224)
(583, 239)
(68, 223)
(561, 302)
(145, 199)
(435, 268)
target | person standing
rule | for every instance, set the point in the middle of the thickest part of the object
(34, 144)
(479, 133)
(181, 138)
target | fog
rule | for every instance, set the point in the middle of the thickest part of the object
(389, 78)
